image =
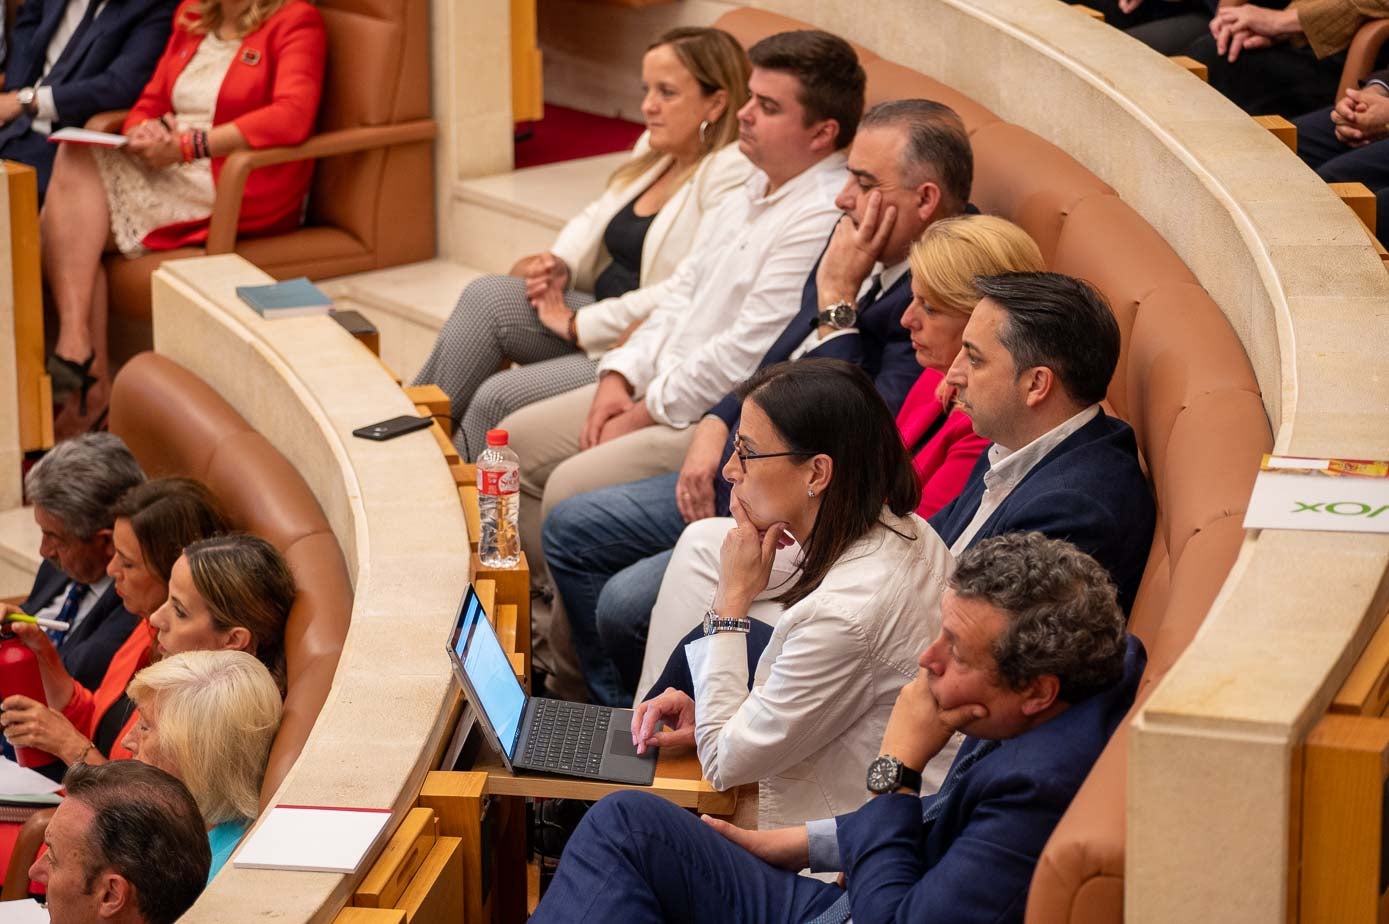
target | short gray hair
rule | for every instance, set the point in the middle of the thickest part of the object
(80, 479)
(1062, 607)
(937, 147)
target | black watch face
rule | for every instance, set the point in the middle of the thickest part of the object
(841, 316)
(884, 775)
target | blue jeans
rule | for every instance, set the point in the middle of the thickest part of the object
(607, 551)
(636, 857)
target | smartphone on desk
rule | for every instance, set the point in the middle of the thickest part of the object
(390, 429)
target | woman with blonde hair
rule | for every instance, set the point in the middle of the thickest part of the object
(942, 443)
(209, 718)
(559, 310)
(236, 74)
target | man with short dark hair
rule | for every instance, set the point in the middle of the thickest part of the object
(127, 844)
(72, 489)
(1032, 663)
(909, 166)
(1039, 351)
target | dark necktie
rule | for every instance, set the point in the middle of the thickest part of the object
(68, 613)
(839, 912)
(871, 296)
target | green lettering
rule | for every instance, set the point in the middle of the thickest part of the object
(1301, 507)
(1379, 511)
(1364, 508)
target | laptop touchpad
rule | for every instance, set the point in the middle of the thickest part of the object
(620, 742)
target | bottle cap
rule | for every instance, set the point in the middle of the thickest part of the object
(496, 437)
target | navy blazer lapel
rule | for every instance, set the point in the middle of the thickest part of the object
(48, 583)
(72, 55)
(105, 604)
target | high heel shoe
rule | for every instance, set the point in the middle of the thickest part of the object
(69, 376)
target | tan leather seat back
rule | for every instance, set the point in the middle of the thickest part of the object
(377, 74)
(176, 424)
(888, 81)
(1029, 181)
(750, 25)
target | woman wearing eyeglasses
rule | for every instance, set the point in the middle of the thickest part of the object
(863, 599)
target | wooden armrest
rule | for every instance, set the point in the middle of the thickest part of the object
(231, 185)
(108, 121)
(1360, 56)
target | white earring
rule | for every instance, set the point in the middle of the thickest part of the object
(703, 127)
(810, 492)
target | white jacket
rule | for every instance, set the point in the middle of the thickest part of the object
(668, 239)
(826, 684)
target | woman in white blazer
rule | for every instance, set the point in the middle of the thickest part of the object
(611, 260)
(818, 459)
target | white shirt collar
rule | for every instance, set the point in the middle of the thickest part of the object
(1008, 467)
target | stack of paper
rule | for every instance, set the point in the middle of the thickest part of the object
(313, 838)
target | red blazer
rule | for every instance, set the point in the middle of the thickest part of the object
(86, 708)
(943, 464)
(271, 93)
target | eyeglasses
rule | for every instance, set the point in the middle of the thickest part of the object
(743, 455)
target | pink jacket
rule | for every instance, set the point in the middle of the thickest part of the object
(943, 464)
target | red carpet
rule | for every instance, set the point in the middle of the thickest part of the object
(567, 134)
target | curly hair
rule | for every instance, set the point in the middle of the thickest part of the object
(1063, 611)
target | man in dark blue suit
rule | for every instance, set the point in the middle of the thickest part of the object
(910, 165)
(73, 489)
(1033, 664)
(69, 60)
(1039, 351)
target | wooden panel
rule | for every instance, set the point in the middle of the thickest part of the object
(506, 626)
(678, 780)
(472, 515)
(486, 595)
(35, 393)
(1281, 128)
(514, 587)
(402, 856)
(1343, 786)
(1366, 688)
(445, 444)
(1088, 11)
(527, 82)
(370, 916)
(1359, 199)
(431, 395)
(1191, 65)
(458, 799)
(435, 895)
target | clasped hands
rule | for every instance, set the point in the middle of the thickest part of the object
(1362, 116)
(745, 567)
(613, 413)
(546, 277)
(916, 731)
(1248, 27)
(154, 144)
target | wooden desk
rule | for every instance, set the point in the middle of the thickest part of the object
(677, 779)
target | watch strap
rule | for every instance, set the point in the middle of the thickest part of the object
(714, 624)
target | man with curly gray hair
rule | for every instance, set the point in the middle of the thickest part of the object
(1032, 663)
(72, 489)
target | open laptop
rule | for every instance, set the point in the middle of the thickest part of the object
(532, 732)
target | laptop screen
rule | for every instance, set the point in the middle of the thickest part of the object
(500, 695)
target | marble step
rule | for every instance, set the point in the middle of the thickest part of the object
(500, 218)
(19, 551)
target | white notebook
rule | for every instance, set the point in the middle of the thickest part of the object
(85, 136)
(317, 839)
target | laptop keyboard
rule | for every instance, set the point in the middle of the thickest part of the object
(567, 737)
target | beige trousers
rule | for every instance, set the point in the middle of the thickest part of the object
(546, 437)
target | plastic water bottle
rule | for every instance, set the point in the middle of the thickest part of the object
(499, 502)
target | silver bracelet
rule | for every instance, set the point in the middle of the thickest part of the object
(714, 623)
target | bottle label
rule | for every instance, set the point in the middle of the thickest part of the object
(499, 480)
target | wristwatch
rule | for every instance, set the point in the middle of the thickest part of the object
(714, 623)
(841, 315)
(888, 774)
(25, 97)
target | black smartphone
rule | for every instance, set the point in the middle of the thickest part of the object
(390, 429)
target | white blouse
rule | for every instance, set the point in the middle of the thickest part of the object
(826, 684)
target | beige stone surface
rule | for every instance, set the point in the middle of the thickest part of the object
(19, 551)
(305, 384)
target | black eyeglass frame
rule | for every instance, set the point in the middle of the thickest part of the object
(743, 455)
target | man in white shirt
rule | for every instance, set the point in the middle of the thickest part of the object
(731, 296)
(1039, 352)
(69, 60)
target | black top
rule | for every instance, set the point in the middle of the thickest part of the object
(623, 238)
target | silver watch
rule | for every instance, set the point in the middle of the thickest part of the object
(25, 97)
(714, 623)
(841, 315)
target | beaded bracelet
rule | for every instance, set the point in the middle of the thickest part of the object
(185, 147)
(200, 144)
